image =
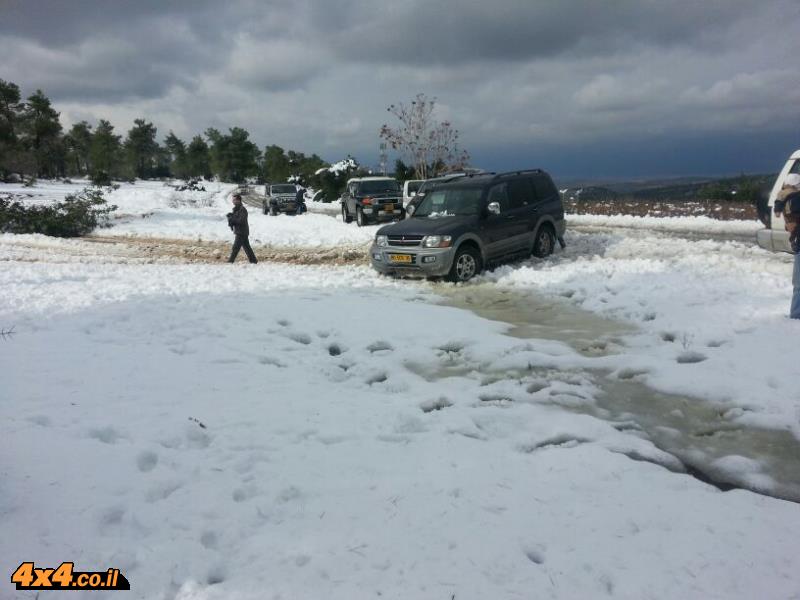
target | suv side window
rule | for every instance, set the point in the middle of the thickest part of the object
(499, 193)
(545, 189)
(520, 193)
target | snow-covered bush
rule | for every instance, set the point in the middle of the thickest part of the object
(77, 215)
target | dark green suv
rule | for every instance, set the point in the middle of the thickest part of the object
(466, 223)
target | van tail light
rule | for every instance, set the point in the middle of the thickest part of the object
(366, 201)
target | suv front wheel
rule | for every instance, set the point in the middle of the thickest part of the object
(466, 264)
(545, 242)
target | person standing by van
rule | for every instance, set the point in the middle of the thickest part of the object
(787, 204)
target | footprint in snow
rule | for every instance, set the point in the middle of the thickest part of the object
(690, 357)
(107, 435)
(300, 338)
(535, 555)
(209, 540)
(435, 404)
(147, 461)
(377, 378)
(379, 346)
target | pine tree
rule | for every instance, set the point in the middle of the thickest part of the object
(43, 136)
(10, 114)
(78, 142)
(198, 159)
(233, 157)
(141, 149)
(177, 156)
(276, 166)
(244, 155)
(105, 153)
(402, 172)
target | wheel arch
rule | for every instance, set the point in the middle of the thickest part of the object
(475, 242)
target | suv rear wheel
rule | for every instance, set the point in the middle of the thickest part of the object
(360, 220)
(345, 217)
(466, 264)
(544, 242)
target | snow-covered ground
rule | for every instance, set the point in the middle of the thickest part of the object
(697, 224)
(277, 431)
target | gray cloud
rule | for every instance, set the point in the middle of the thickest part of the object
(317, 75)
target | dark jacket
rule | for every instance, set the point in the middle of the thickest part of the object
(788, 204)
(237, 220)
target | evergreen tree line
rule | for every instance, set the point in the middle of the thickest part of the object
(33, 144)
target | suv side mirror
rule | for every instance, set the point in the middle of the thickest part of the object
(409, 210)
(494, 208)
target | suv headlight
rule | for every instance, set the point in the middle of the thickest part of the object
(437, 241)
(381, 240)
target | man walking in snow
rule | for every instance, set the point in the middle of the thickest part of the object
(237, 221)
(788, 204)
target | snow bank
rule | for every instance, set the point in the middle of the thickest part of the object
(699, 224)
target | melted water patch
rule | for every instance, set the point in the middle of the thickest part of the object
(702, 435)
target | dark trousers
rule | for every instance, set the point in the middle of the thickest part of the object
(241, 241)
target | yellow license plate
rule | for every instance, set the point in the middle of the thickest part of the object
(388, 207)
(400, 258)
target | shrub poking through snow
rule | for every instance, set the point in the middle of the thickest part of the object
(77, 215)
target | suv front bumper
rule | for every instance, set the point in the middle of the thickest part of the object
(378, 213)
(415, 262)
(283, 205)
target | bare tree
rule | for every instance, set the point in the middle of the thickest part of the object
(429, 145)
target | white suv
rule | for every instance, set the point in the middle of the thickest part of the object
(774, 237)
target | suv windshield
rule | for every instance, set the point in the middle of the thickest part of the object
(451, 202)
(378, 187)
(283, 189)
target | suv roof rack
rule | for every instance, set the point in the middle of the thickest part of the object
(520, 172)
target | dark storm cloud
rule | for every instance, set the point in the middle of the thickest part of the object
(113, 50)
(422, 33)
(56, 23)
(579, 77)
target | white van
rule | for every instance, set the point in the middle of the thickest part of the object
(410, 188)
(775, 237)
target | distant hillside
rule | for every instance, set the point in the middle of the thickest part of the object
(744, 187)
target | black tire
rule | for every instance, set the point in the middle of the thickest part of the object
(346, 218)
(544, 242)
(466, 264)
(273, 211)
(361, 220)
(266, 210)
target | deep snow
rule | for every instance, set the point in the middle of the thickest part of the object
(360, 441)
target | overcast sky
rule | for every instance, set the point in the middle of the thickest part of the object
(582, 88)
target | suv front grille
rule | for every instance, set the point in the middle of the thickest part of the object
(405, 241)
